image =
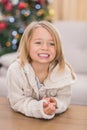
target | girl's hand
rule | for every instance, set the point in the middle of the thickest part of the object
(52, 100)
(49, 109)
(49, 105)
(49, 100)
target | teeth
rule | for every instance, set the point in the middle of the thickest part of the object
(43, 55)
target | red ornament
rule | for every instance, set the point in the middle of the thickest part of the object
(3, 26)
(8, 6)
(43, 2)
(22, 5)
(4, 1)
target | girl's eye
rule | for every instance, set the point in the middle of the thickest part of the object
(38, 42)
(52, 44)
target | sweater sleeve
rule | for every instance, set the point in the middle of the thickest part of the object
(63, 99)
(18, 100)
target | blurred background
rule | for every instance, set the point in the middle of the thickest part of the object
(16, 14)
(69, 10)
(68, 16)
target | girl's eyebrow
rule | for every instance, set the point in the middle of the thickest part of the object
(42, 39)
(37, 39)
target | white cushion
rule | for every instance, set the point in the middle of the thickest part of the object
(3, 71)
(3, 86)
(74, 40)
(7, 59)
(79, 90)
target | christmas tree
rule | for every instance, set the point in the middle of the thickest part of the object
(15, 15)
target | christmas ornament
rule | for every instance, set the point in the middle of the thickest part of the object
(37, 6)
(40, 12)
(14, 33)
(11, 19)
(8, 44)
(4, 1)
(8, 6)
(22, 5)
(21, 30)
(43, 2)
(3, 26)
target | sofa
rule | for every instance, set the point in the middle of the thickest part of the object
(74, 43)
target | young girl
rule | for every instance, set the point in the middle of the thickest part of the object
(39, 80)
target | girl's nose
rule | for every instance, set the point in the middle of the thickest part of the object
(45, 46)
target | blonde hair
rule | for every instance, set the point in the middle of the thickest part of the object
(26, 37)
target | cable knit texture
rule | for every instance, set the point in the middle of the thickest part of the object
(25, 97)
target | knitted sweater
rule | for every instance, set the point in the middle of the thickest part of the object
(25, 96)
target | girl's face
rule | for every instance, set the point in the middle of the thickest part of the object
(42, 48)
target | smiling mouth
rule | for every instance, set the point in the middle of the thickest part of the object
(43, 55)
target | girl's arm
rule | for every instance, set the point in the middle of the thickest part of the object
(63, 99)
(19, 101)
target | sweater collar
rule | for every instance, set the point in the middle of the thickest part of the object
(63, 78)
(30, 75)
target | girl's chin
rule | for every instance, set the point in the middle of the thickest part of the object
(43, 62)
